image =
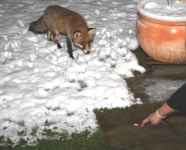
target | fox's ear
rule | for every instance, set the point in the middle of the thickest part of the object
(77, 35)
(91, 32)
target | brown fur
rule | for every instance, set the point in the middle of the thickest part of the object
(59, 20)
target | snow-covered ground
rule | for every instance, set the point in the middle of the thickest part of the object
(42, 88)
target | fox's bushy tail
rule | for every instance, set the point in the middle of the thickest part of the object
(38, 26)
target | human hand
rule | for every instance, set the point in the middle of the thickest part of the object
(153, 119)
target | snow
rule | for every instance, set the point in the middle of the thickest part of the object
(159, 9)
(42, 88)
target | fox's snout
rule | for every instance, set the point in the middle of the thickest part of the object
(83, 40)
(84, 48)
(86, 51)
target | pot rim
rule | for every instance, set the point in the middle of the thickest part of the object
(141, 10)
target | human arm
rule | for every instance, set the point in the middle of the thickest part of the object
(177, 102)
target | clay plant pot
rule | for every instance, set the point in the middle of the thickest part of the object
(162, 37)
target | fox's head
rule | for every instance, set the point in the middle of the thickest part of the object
(84, 39)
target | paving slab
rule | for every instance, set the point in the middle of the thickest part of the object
(159, 81)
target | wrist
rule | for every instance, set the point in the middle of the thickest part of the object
(165, 109)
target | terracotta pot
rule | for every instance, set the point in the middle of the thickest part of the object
(162, 38)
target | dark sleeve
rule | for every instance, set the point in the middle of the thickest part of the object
(178, 100)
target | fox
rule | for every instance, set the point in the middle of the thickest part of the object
(57, 20)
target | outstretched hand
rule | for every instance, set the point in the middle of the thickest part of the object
(153, 119)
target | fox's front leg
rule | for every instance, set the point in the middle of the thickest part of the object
(54, 36)
(69, 47)
(50, 36)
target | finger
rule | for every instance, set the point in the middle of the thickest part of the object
(144, 123)
(136, 124)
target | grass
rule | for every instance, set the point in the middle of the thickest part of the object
(82, 141)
